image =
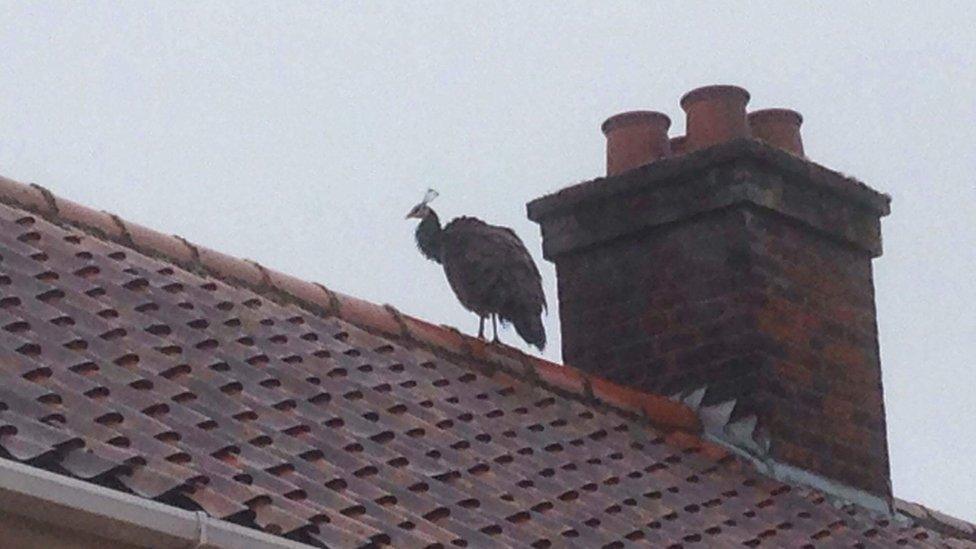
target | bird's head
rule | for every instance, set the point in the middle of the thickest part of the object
(422, 210)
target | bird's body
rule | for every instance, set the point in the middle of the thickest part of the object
(489, 270)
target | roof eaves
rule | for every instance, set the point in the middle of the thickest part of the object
(118, 517)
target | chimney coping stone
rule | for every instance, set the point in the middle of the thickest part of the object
(681, 168)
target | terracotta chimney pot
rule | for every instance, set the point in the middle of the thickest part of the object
(635, 138)
(778, 127)
(715, 114)
(678, 144)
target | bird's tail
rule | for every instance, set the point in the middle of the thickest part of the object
(530, 327)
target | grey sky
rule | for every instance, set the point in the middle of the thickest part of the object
(299, 134)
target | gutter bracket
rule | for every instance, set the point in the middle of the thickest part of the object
(201, 530)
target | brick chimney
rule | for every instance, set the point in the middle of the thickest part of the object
(735, 274)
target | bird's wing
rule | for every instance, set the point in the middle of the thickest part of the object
(491, 265)
(519, 262)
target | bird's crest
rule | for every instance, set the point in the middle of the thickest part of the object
(429, 196)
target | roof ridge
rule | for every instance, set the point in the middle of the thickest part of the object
(660, 411)
(936, 520)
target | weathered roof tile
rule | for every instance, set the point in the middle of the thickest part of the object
(27, 196)
(102, 223)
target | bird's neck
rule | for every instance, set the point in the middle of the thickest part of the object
(429, 237)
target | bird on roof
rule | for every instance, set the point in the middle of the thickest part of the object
(489, 269)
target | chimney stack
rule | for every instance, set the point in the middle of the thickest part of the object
(635, 138)
(736, 276)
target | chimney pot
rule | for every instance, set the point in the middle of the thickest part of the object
(778, 127)
(635, 138)
(715, 114)
(678, 144)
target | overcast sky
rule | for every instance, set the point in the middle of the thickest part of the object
(299, 134)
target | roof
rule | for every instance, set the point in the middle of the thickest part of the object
(141, 362)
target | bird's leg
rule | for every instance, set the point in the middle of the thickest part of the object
(481, 327)
(494, 325)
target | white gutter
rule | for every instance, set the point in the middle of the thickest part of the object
(64, 502)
